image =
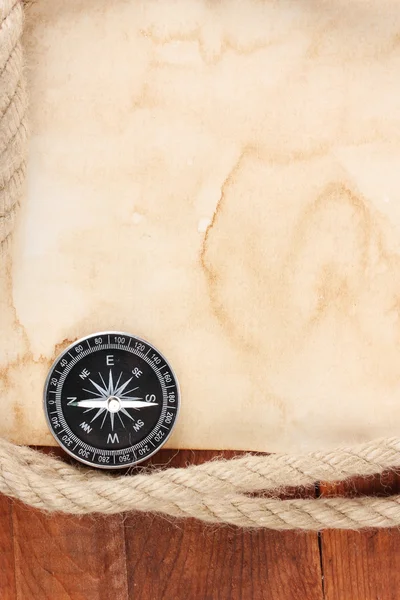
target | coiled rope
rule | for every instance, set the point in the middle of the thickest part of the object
(217, 491)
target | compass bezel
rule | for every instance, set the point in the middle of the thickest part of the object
(120, 452)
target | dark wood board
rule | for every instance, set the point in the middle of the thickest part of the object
(148, 557)
(362, 565)
(7, 558)
(190, 560)
(67, 557)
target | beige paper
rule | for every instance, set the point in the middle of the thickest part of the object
(222, 179)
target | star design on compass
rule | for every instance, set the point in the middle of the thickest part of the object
(111, 399)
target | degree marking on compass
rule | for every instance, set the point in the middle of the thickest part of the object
(100, 396)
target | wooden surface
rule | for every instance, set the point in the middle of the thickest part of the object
(362, 566)
(148, 557)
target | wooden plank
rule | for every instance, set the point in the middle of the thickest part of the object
(63, 557)
(362, 565)
(7, 563)
(185, 559)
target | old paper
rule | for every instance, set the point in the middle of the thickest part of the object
(222, 179)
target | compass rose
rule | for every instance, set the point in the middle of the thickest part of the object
(111, 399)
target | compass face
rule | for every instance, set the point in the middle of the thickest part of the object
(111, 400)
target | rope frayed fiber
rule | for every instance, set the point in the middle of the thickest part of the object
(215, 492)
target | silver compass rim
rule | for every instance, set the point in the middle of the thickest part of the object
(82, 460)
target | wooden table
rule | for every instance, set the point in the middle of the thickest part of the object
(149, 557)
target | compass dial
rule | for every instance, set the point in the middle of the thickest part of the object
(111, 400)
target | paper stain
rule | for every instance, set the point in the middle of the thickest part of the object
(225, 197)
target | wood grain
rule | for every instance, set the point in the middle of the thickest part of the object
(7, 573)
(148, 557)
(362, 565)
(190, 561)
(64, 558)
(186, 559)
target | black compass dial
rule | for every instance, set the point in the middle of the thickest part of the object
(111, 400)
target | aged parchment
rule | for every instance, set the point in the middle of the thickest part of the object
(222, 179)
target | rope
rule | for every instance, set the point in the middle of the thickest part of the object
(215, 492)
(13, 105)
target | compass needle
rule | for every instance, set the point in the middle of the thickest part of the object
(136, 403)
(98, 395)
(92, 403)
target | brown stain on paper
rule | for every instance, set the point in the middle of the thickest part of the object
(293, 291)
(328, 268)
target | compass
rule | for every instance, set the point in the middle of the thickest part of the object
(111, 400)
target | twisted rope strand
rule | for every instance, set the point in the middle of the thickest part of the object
(13, 108)
(49, 484)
